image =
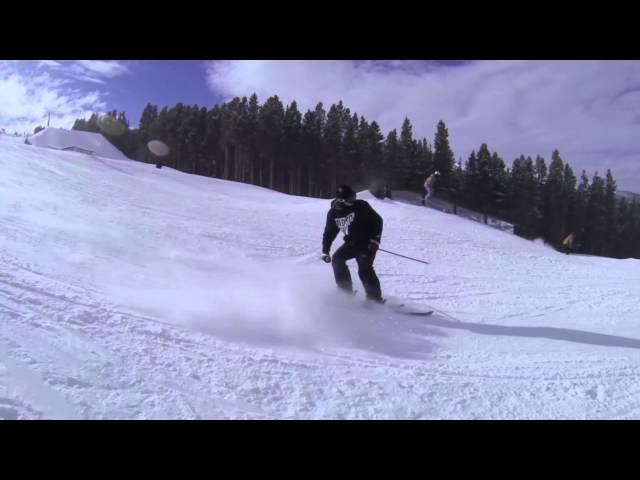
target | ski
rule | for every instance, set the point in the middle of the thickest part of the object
(404, 310)
(401, 308)
(389, 305)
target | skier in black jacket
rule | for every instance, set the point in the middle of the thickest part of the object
(362, 228)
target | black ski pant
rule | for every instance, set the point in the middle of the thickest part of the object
(367, 274)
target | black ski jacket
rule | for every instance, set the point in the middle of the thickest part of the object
(359, 223)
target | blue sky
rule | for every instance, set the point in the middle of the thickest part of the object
(161, 83)
(589, 110)
(125, 86)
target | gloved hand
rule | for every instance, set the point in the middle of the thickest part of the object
(326, 257)
(374, 245)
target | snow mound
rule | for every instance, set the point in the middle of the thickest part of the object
(76, 140)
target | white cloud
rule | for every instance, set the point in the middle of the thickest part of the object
(586, 109)
(103, 68)
(93, 71)
(26, 99)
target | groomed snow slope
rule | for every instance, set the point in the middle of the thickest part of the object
(128, 291)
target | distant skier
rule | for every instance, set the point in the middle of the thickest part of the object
(567, 243)
(362, 229)
(429, 185)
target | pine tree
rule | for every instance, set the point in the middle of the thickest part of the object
(236, 138)
(149, 114)
(122, 118)
(190, 139)
(610, 208)
(456, 183)
(521, 197)
(350, 169)
(292, 137)
(582, 202)
(443, 157)
(597, 216)
(370, 155)
(90, 125)
(425, 162)
(80, 124)
(172, 122)
(346, 169)
(541, 170)
(392, 168)
(407, 157)
(635, 215)
(471, 182)
(211, 141)
(498, 184)
(253, 139)
(624, 230)
(271, 127)
(534, 215)
(245, 136)
(554, 204)
(333, 147)
(313, 126)
(570, 200)
(372, 148)
(485, 180)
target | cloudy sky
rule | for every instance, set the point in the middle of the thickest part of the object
(589, 110)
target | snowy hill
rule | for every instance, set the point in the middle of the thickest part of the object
(445, 206)
(128, 291)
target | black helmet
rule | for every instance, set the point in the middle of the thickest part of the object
(345, 192)
(345, 196)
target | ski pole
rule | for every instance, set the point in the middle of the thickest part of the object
(403, 256)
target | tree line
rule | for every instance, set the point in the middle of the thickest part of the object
(276, 146)
(549, 202)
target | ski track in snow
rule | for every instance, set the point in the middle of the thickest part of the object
(136, 293)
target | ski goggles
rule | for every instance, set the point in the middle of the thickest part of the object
(342, 202)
